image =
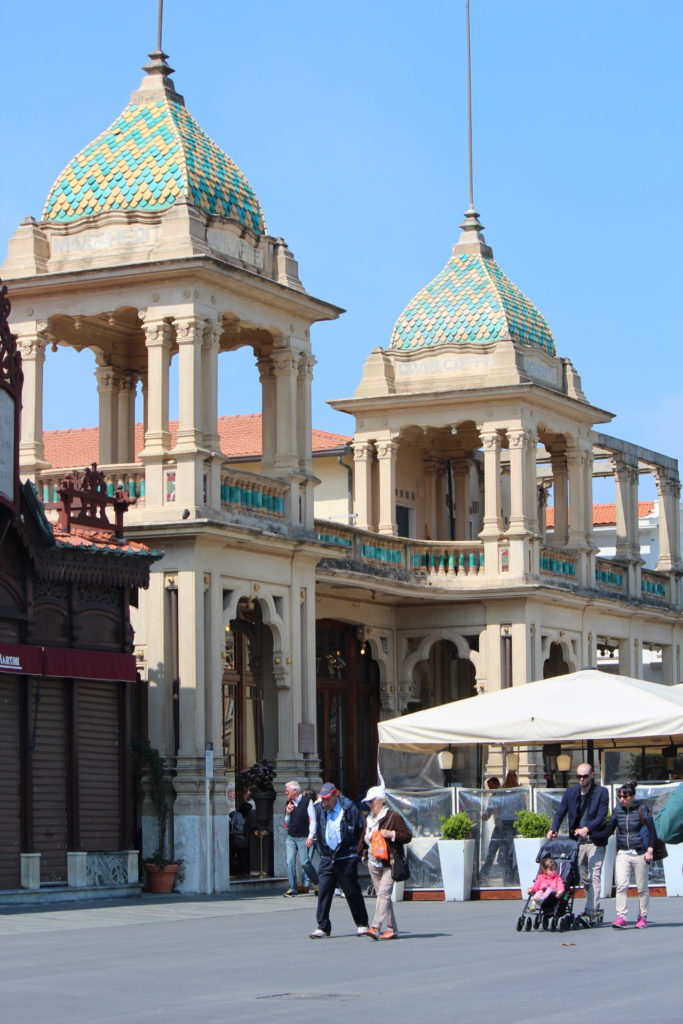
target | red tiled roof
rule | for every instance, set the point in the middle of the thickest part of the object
(240, 438)
(604, 515)
(97, 540)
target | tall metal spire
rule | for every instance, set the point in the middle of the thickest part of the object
(160, 23)
(472, 228)
(158, 78)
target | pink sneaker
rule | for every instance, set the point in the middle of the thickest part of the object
(641, 922)
(620, 922)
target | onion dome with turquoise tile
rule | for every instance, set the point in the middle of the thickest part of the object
(470, 301)
(152, 155)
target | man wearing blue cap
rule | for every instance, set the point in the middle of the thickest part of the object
(338, 827)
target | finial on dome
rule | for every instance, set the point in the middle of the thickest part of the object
(157, 82)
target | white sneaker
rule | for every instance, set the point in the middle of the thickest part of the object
(319, 934)
(362, 931)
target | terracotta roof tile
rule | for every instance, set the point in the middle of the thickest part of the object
(604, 515)
(97, 540)
(240, 438)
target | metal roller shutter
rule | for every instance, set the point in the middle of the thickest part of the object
(99, 765)
(10, 783)
(50, 782)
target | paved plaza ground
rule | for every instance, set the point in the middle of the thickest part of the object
(244, 958)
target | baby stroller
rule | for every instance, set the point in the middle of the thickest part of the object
(556, 911)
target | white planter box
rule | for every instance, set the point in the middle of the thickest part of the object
(607, 876)
(457, 862)
(526, 851)
(673, 864)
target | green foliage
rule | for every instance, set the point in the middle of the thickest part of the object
(457, 826)
(158, 781)
(532, 825)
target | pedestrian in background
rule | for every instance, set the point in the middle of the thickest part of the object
(338, 827)
(586, 806)
(384, 824)
(632, 821)
(300, 829)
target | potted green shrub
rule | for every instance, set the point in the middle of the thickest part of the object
(161, 869)
(531, 828)
(456, 853)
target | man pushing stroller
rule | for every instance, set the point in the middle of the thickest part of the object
(586, 807)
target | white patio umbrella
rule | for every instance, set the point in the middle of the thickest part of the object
(589, 704)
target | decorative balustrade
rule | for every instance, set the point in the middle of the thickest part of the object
(249, 492)
(421, 559)
(654, 585)
(559, 562)
(131, 477)
(610, 576)
(447, 558)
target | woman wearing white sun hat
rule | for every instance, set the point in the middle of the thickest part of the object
(390, 826)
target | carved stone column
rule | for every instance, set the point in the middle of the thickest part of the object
(286, 367)
(31, 447)
(158, 338)
(211, 337)
(669, 494)
(268, 413)
(303, 438)
(493, 523)
(558, 462)
(386, 457)
(626, 478)
(363, 453)
(460, 479)
(518, 441)
(577, 505)
(190, 338)
(432, 469)
(127, 382)
(108, 392)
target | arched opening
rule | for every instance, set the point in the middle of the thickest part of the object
(555, 665)
(347, 683)
(249, 700)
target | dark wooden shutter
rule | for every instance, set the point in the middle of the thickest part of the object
(50, 782)
(99, 765)
(10, 783)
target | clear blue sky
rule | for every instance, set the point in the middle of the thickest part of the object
(350, 122)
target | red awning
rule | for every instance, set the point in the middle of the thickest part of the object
(23, 659)
(20, 659)
(89, 664)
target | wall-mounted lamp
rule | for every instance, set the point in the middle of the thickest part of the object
(669, 754)
(512, 762)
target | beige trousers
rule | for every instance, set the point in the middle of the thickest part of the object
(627, 862)
(590, 866)
(384, 908)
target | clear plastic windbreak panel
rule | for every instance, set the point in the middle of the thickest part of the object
(493, 813)
(547, 802)
(655, 795)
(422, 811)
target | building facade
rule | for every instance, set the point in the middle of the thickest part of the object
(268, 632)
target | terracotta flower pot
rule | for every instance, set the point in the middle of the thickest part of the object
(161, 879)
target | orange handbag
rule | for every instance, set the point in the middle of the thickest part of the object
(378, 846)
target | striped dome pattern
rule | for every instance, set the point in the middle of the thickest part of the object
(152, 155)
(471, 300)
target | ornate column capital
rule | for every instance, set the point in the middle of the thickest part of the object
(668, 486)
(32, 346)
(625, 470)
(490, 438)
(306, 363)
(362, 450)
(386, 449)
(284, 361)
(211, 334)
(189, 329)
(158, 331)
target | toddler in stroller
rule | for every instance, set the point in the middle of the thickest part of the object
(550, 900)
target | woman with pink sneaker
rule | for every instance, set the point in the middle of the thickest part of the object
(632, 821)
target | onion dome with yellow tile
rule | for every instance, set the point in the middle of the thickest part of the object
(470, 301)
(152, 155)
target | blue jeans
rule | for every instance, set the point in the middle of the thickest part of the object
(297, 844)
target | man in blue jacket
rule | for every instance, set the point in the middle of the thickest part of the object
(586, 806)
(338, 827)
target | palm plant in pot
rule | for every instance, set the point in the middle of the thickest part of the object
(456, 853)
(531, 829)
(161, 869)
